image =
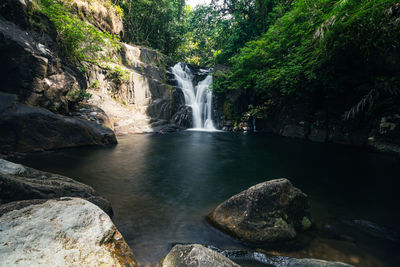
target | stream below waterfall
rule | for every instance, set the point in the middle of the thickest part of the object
(162, 186)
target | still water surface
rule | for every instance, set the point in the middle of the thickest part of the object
(162, 186)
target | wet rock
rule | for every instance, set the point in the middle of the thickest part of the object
(374, 230)
(184, 117)
(269, 213)
(384, 147)
(193, 256)
(318, 135)
(27, 129)
(18, 182)
(330, 231)
(164, 127)
(386, 137)
(294, 131)
(63, 232)
(314, 263)
(277, 261)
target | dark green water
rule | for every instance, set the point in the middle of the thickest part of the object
(162, 186)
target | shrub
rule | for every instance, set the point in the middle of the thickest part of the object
(80, 41)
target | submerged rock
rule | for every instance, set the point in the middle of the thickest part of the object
(63, 232)
(266, 214)
(193, 256)
(277, 261)
(18, 182)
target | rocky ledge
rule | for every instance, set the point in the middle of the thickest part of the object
(60, 232)
(268, 214)
(27, 129)
(18, 182)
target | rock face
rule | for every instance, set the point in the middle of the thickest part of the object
(184, 117)
(26, 129)
(311, 118)
(37, 85)
(18, 182)
(33, 70)
(266, 214)
(102, 14)
(194, 256)
(130, 93)
(64, 232)
(141, 97)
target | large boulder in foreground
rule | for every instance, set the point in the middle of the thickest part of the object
(18, 182)
(193, 256)
(63, 232)
(26, 129)
(270, 213)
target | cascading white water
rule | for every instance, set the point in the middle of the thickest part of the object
(199, 98)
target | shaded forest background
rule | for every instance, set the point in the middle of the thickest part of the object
(262, 50)
(273, 48)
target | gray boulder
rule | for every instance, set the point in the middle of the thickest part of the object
(22, 183)
(269, 213)
(194, 256)
(27, 129)
(62, 232)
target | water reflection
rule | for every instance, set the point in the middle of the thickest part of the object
(162, 186)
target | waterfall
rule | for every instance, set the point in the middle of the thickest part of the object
(198, 97)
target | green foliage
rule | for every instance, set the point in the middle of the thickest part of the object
(205, 36)
(258, 112)
(117, 74)
(78, 95)
(217, 31)
(319, 45)
(80, 41)
(95, 84)
(158, 24)
(228, 110)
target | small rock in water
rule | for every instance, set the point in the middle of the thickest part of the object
(194, 256)
(374, 230)
(266, 214)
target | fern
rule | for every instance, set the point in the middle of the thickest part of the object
(389, 89)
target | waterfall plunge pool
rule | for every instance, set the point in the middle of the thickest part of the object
(162, 186)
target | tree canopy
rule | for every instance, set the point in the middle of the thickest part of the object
(277, 47)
